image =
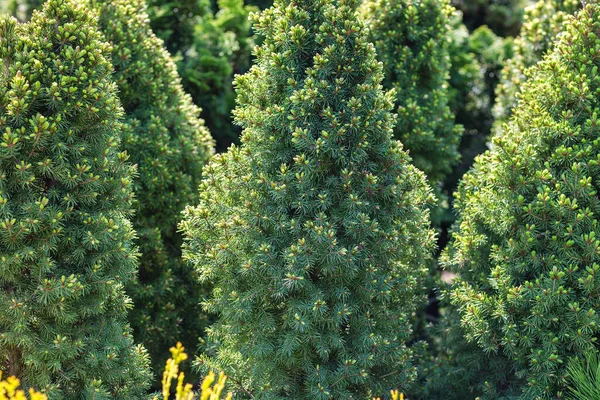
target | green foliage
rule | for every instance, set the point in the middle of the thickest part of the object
(584, 376)
(314, 234)
(66, 243)
(543, 23)
(170, 145)
(209, 49)
(261, 4)
(221, 47)
(475, 60)
(526, 246)
(233, 18)
(411, 39)
(22, 9)
(174, 21)
(454, 369)
(503, 17)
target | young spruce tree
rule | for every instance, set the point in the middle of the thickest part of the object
(543, 22)
(527, 246)
(170, 145)
(411, 39)
(315, 233)
(66, 243)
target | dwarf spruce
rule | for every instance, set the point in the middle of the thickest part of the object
(527, 246)
(170, 144)
(411, 39)
(66, 243)
(314, 233)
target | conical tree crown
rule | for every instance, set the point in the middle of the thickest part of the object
(411, 39)
(66, 244)
(543, 22)
(170, 145)
(314, 233)
(527, 247)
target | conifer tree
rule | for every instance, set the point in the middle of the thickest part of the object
(526, 246)
(411, 41)
(543, 22)
(170, 145)
(314, 233)
(66, 243)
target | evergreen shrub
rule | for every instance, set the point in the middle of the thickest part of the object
(526, 247)
(174, 21)
(170, 144)
(66, 242)
(314, 233)
(476, 59)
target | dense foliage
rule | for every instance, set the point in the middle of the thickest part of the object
(221, 47)
(504, 17)
(584, 376)
(66, 243)
(411, 39)
(303, 260)
(174, 21)
(455, 369)
(526, 247)
(170, 145)
(543, 23)
(314, 233)
(476, 59)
